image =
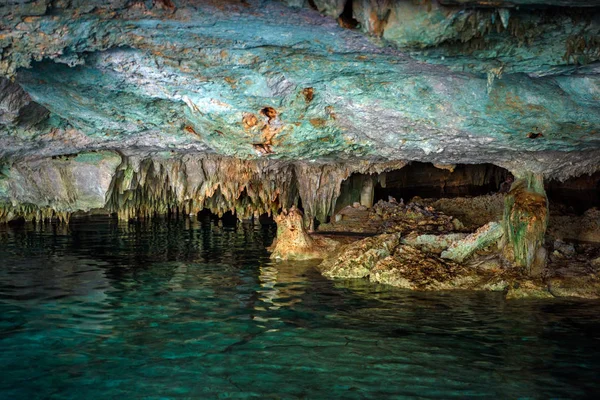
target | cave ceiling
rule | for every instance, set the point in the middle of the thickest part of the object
(514, 83)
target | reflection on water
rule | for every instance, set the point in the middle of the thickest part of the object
(188, 309)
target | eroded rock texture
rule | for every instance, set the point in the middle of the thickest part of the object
(433, 82)
(253, 107)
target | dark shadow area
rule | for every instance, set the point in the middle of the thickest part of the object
(427, 181)
(423, 180)
(577, 194)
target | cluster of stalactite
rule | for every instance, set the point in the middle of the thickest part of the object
(319, 186)
(186, 185)
(143, 188)
(32, 213)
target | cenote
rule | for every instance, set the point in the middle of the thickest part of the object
(194, 309)
(319, 199)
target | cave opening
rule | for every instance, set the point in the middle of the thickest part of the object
(422, 180)
(574, 195)
(428, 181)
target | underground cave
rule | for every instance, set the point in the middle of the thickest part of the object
(299, 198)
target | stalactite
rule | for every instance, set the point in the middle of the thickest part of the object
(187, 185)
(142, 188)
(145, 186)
(32, 213)
(319, 185)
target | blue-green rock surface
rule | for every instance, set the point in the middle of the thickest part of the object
(283, 82)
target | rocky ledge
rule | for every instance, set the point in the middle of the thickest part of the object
(414, 246)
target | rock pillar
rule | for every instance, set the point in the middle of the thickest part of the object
(367, 193)
(525, 222)
(293, 242)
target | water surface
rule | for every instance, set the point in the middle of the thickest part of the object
(181, 309)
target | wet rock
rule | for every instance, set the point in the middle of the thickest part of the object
(293, 242)
(432, 243)
(357, 259)
(484, 237)
(528, 289)
(586, 287)
(384, 259)
(410, 268)
(525, 222)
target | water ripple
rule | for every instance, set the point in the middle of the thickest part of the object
(176, 309)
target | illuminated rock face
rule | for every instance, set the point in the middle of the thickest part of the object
(254, 106)
(294, 242)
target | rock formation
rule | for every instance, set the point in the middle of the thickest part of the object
(144, 108)
(293, 242)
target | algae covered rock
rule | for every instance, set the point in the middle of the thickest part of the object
(411, 268)
(525, 223)
(586, 287)
(528, 289)
(485, 236)
(383, 259)
(355, 260)
(433, 243)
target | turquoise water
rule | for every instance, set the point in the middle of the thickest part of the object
(195, 310)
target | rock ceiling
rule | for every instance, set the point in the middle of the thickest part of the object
(463, 81)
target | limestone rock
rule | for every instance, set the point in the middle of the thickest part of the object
(528, 289)
(584, 227)
(410, 268)
(293, 241)
(586, 287)
(485, 236)
(55, 188)
(433, 243)
(391, 216)
(473, 212)
(356, 260)
(383, 259)
(525, 223)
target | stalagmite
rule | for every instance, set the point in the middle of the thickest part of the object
(525, 222)
(367, 193)
(293, 241)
